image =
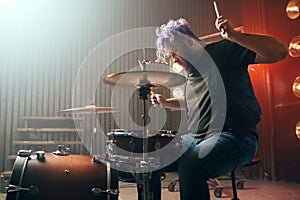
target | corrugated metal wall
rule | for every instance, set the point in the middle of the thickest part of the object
(45, 43)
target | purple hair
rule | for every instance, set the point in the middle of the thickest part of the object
(165, 34)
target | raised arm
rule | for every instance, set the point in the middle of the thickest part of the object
(268, 49)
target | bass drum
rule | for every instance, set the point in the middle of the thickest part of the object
(48, 176)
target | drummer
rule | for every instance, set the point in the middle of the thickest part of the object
(217, 150)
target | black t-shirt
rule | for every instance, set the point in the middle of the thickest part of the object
(219, 94)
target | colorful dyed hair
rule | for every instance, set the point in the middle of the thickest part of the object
(165, 35)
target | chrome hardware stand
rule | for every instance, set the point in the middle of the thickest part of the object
(144, 91)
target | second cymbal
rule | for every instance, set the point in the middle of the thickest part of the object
(148, 78)
(91, 109)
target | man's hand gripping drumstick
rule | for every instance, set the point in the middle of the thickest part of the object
(170, 103)
(223, 24)
(156, 98)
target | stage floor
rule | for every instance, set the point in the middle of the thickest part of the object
(253, 190)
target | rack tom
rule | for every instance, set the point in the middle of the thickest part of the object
(132, 141)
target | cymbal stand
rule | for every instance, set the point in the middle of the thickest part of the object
(144, 91)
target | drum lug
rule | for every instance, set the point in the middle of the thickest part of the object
(62, 150)
(98, 191)
(24, 153)
(40, 155)
(27, 153)
(33, 190)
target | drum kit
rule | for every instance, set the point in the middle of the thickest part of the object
(40, 175)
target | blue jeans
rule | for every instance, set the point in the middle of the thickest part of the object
(212, 157)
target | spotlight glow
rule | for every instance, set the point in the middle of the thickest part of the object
(296, 87)
(178, 92)
(298, 130)
(294, 47)
(293, 9)
(177, 68)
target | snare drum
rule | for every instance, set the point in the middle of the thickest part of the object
(132, 141)
(49, 176)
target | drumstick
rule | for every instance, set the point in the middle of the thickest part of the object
(218, 14)
(216, 9)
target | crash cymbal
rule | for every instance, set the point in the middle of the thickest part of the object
(91, 109)
(145, 78)
(293, 9)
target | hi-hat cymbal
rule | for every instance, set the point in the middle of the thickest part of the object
(145, 78)
(293, 9)
(91, 109)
